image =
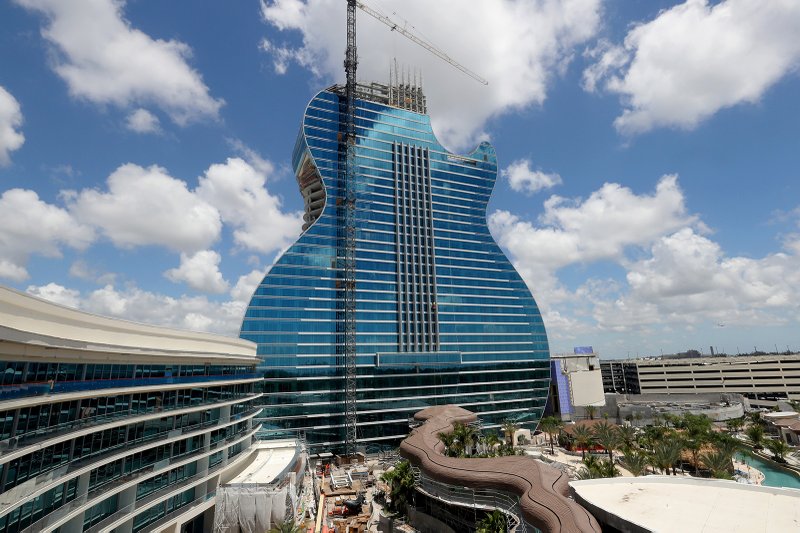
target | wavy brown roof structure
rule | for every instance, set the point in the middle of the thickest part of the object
(542, 490)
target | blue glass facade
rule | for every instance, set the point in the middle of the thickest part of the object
(442, 316)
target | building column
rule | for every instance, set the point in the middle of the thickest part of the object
(126, 498)
(75, 525)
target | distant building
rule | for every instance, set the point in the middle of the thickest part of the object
(620, 377)
(108, 425)
(575, 383)
(763, 379)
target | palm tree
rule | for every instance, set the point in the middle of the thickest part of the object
(755, 433)
(735, 425)
(401, 486)
(627, 436)
(595, 468)
(509, 428)
(287, 526)
(719, 463)
(591, 410)
(465, 437)
(666, 453)
(449, 441)
(635, 462)
(583, 438)
(494, 522)
(778, 449)
(550, 425)
(607, 437)
(492, 440)
(695, 445)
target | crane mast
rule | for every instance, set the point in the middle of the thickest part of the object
(348, 214)
(347, 209)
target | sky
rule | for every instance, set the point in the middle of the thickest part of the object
(648, 192)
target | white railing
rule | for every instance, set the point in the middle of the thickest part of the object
(486, 499)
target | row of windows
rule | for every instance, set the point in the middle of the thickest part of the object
(88, 446)
(107, 473)
(33, 510)
(18, 372)
(38, 420)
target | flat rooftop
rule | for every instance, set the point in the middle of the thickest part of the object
(272, 460)
(689, 505)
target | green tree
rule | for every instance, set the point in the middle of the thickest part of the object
(735, 425)
(583, 437)
(449, 442)
(401, 486)
(719, 463)
(509, 428)
(494, 522)
(606, 436)
(778, 449)
(492, 440)
(591, 410)
(635, 462)
(755, 434)
(755, 417)
(550, 425)
(627, 436)
(465, 437)
(595, 468)
(666, 453)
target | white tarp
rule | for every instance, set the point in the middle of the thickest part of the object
(253, 508)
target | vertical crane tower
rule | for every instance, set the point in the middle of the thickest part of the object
(349, 267)
(347, 206)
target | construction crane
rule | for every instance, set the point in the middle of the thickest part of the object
(425, 44)
(347, 208)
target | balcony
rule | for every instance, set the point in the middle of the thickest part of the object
(26, 390)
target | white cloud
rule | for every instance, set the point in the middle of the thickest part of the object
(188, 312)
(697, 58)
(56, 293)
(247, 285)
(31, 226)
(200, 271)
(147, 206)
(523, 179)
(689, 279)
(143, 121)
(601, 228)
(10, 122)
(517, 45)
(674, 274)
(237, 190)
(104, 60)
(80, 269)
(197, 313)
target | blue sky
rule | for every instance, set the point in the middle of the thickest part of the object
(649, 152)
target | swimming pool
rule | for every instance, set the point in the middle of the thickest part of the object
(773, 476)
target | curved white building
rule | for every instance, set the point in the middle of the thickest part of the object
(111, 425)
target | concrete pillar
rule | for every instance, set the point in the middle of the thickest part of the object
(126, 498)
(224, 414)
(76, 524)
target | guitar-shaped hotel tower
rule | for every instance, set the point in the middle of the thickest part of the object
(441, 315)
